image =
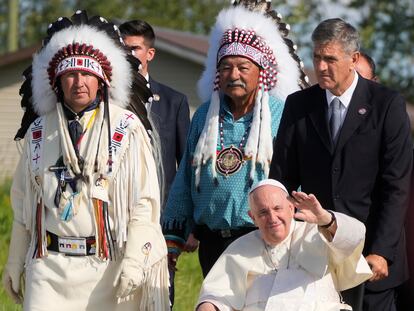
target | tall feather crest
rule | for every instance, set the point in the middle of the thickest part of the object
(242, 16)
(265, 7)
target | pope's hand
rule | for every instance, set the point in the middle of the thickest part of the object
(309, 209)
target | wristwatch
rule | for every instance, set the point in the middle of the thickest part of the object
(333, 219)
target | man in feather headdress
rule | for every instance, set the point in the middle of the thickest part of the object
(250, 69)
(85, 195)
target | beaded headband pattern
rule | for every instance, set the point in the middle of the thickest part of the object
(93, 45)
(79, 57)
(250, 29)
(246, 43)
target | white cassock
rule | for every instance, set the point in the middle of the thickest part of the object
(304, 272)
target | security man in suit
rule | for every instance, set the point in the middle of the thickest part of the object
(348, 141)
(169, 111)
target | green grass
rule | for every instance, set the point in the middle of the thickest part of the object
(187, 280)
(6, 219)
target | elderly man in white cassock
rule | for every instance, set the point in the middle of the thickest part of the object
(299, 259)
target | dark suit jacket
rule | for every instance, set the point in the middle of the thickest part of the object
(171, 117)
(367, 174)
(407, 293)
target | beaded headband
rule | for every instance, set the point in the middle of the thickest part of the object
(245, 43)
(76, 57)
(89, 44)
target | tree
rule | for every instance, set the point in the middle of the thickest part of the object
(13, 25)
(387, 27)
(35, 17)
(190, 15)
(4, 7)
(113, 9)
(388, 35)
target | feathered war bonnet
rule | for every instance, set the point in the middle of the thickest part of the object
(253, 30)
(93, 45)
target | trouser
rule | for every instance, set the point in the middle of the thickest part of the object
(404, 297)
(213, 243)
(362, 299)
(379, 301)
(354, 297)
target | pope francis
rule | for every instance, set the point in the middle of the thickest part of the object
(299, 259)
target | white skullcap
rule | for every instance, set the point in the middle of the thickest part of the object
(270, 182)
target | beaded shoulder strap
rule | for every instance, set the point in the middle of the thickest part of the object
(36, 145)
(118, 141)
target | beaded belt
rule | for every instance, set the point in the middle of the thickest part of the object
(71, 246)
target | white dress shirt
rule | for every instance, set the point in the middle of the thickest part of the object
(345, 99)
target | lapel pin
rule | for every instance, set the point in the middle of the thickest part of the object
(362, 111)
(156, 97)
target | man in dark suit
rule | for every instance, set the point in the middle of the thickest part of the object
(348, 141)
(169, 110)
(405, 292)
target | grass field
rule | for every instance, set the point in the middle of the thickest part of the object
(187, 281)
(6, 218)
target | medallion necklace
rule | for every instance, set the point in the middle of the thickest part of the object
(230, 159)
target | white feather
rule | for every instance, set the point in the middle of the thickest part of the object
(44, 98)
(207, 142)
(288, 71)
(265, 152)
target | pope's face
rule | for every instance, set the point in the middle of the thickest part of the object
(79, 89)
(239, 77)
(272, 213)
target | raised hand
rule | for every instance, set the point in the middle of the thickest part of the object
(309, 209)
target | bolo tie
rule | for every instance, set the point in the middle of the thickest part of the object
(76, 133)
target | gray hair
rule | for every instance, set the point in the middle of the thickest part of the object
(337, 30)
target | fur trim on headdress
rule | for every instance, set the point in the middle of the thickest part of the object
(44, 97)
(288, 75)
(82, 43)
(239, 29)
